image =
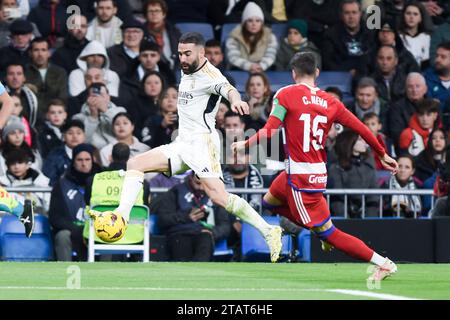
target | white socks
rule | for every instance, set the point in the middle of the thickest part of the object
(241, 209)
(131, 187)
(377, 259)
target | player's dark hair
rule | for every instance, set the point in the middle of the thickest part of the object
(304, 63)
(336, 91)
(192, 37)
(120, 152)
(444, 45)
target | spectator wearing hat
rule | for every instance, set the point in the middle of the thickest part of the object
(387, 36)
(105, 27)
(296, 41)
(165, 34)
(346, 44)
(50, 80)
(50, 18)
(123, 56)
(17, 51)
(60, 157)
(75, 41)
(13, 138)
(93, 55)
(66, 213)
(251, 46)
(9, 12)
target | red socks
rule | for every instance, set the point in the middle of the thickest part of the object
(350, 245)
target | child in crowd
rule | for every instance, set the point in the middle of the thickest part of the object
(424, 120)
(18, 112)
(50, 135)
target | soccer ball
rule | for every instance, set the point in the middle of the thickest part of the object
(109, 226)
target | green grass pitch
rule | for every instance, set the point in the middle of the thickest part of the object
(220, 281)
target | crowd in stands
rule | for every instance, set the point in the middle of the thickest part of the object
(84, 82)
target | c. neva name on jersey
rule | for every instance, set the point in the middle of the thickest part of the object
(315, 100)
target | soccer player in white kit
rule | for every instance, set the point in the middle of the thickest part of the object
(197, 145)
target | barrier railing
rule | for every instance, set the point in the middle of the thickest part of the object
(328, 193)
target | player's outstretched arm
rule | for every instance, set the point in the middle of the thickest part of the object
(237, 105)
(7, 108)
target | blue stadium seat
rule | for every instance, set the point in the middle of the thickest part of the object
(154, 230)
(253, 245)
(241, 78)
(15, 246)
(221, 250)
(204, 28)
(304, 246)
(226, 30)
(339, 79)
(279, 79)
(280, 31)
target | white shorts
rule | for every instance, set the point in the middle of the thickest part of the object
(201, 154)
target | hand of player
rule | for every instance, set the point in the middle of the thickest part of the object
(240, 107)
(389, 163)
(238, 146)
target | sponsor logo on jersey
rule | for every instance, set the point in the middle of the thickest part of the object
(313, 179)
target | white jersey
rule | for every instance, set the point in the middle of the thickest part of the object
(199, 95)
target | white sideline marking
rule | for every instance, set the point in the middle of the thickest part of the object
(358, 293)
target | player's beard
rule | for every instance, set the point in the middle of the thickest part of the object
(191, 67)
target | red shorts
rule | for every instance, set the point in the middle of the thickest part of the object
(305, 209)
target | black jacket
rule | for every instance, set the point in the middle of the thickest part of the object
(398, 118)
(154, 135)
(47, 140)
(119, 61)
(51, 23)
(397, 85)
(66, 56)
(173, 216)
(344, 52)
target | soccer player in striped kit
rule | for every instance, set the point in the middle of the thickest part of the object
(306, 114)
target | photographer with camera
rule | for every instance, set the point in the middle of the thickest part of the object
(191, 222)
(97, 115)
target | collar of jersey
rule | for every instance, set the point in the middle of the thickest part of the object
(206, 61)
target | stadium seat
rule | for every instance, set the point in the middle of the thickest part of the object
(339, 79)
(241, 78)
(15, 246)
(226, 30)
(204, 28)
(221, 250)
(304, 246)
(280, 31)
(279, 79)
(253, 245)
(137, 241)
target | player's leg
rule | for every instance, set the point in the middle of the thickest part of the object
(215, 189)
(323, 227)
(24, 212)
(154, 160)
